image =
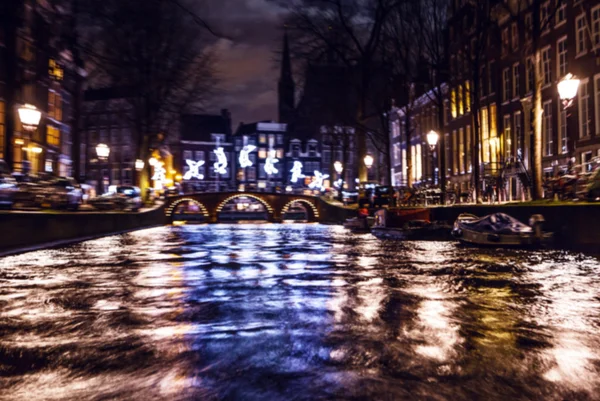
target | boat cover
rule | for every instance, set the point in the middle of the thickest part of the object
(497, 223)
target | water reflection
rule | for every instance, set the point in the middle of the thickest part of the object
(267, 311)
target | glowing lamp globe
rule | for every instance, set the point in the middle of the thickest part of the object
(338, 167)
(30, 117)
(432, 138)
(567, 88)
(368, 161)
(152, 161)
(102, 150)
(139, 164)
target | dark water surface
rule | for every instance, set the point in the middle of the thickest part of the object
(296, 312)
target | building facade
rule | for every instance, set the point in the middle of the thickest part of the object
(569, 42)
(264, 145)
(39, 66)
(205, 154)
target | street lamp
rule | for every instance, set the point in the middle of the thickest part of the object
(339, 167)
(139, 164)
(152, 161)
(103, 151)
(368, 161)
(432, 140)
(30, 117)
(567, 89)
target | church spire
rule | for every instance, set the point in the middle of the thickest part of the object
(286, 84)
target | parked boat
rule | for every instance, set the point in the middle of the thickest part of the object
(499, 229)
(409, 225)
(359, 224)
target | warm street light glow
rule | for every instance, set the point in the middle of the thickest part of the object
(432, 139)
(152, 161)
(368, 161)
(139, 164)
(567, 89)
(103, 151)
(36, 149)
(338, 167)
(30, 117)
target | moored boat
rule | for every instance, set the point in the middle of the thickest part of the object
(499, 230)
(409, 225)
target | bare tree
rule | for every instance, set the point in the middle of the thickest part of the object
(351, 31)
(160, 52)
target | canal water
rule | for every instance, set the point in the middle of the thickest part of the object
(296, 312)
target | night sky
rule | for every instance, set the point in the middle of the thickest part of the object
(247, 63)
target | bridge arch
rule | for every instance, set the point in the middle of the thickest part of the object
(171, 208)
(270, 210)
(312, 208)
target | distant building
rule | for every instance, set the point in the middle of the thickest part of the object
(267, 140)
(206, 138)
(108, 120)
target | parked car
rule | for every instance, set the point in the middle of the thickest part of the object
(8, 189)
(28, 190)
(121, 198)
(60, 193)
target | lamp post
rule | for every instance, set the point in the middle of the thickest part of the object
(339, 168)
(368, 163)
(567, 90)
(102, 151)
(30, 118)
(432, 140)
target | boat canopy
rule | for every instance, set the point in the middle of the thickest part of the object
(498, 223)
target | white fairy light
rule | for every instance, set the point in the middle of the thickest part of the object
(318, 181)
(296, 171)
(160, 173)
(244, 156)
(338, 183)
(270, 163)
(193, 171)
(220, 165)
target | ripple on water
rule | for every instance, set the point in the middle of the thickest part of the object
(268, 311)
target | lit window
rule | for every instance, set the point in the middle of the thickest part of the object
(561, 55)
(546, 66)
(454, 153)
(514, 36)
(461, 150)
(508, 139)
(52, 136)
(262, 153)
(580, 27)
(545, 17)
(280, 153)
(547, 139)
(505, 43)
(460, 100)
(506, 81)
(467, 96)
(262, 138)
(561, 14)
(562, 129)
(468, 148)
(584, 109)
(596, 26)
(453, 103)
(485, 135)
(55, 70)
(54, 105)
(516, 89)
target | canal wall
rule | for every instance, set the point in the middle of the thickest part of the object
(22, 231)
(574, 226)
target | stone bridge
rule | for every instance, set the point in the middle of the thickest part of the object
(211, 203)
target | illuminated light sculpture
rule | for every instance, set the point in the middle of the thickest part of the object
(338, 183)
(296, 171)
(270, 163)
(318, 181)
(244, 156)
(193, 171)
(160, 173)
(220, 165)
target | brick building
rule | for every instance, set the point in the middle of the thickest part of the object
(38, 66)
